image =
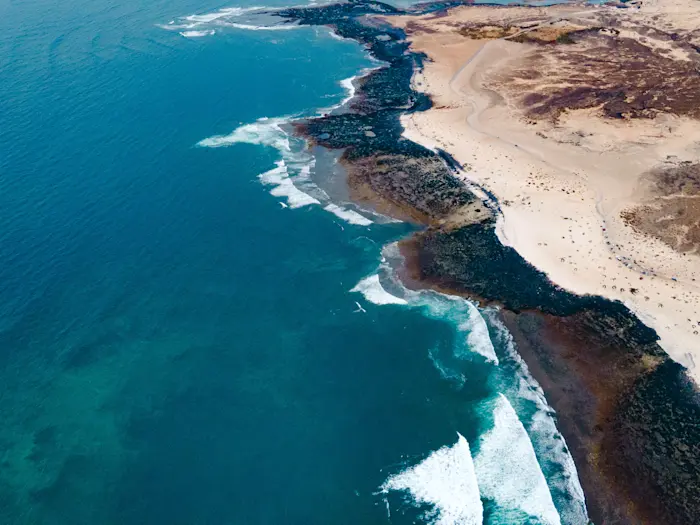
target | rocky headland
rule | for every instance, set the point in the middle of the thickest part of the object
(550, 154)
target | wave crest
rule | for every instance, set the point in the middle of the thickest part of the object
(263, 132)
(445, 481)
(291, 177)
(508, 471)
(374, 292)
(249, 18)
(197, 34)
(528, 398)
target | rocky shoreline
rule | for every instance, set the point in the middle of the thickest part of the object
(630, 415)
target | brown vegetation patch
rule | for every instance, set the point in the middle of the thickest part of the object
(681, 179)
(551, 34)
(487, 31)
(412, 27)
(623, 77)
(539, 34)
(672, 213)
(673, 220)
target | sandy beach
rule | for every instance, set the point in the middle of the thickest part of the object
(598, 191)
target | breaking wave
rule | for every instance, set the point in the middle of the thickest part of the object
(264, 132)
(374, 292)
(508, 472)
(471, 334)
(523, 466)
(505, 471)
(197, 34)
(471, 330)
(349, 216)
(252, 27)
(291, 177)
(284, 187)
(250, 18)
(348, 84)
(446, 482)
(554, 457)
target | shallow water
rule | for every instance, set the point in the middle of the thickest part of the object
(179, 338)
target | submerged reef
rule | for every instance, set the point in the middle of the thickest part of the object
(630, 415)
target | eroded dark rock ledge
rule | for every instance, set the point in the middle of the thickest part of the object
(630, 415)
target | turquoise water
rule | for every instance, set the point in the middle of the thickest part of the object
(178, 347)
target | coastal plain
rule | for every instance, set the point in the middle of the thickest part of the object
(583, 122)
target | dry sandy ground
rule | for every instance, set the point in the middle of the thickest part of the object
(565, 176)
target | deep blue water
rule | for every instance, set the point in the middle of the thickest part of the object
(175, 346)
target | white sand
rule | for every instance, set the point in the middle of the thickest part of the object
(562, 190)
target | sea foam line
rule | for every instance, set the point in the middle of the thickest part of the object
(252, 27)
(445, 481)
(264, 131)
(507, 469)
(291, 176)
(549, 444)
(374, 292)
(538, 438)
(197, 34)
(349, 216)
(269, 132)
(228, 17)
(284, 187)
(471, 332)
(349, 85)
(196, 21)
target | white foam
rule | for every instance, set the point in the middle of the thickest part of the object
(471, 331)
(348, 85)
(264, 131)
(478, 337)
(335, 35)
(372, 290)
(284, 187)
(450, 373)
(236, 17)
(197, 34)
(551, 444)
(348, 215)
(208, 19)
(446, 481)
(226, 12)
(507, 469)
(548, 442)
(251, 27)
(292, 175)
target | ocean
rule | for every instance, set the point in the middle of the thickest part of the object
(194, 330)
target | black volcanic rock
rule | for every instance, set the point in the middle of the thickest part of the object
(629, 414)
